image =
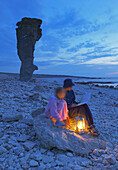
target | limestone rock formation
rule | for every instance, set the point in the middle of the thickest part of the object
(28, 32)
(53, 137)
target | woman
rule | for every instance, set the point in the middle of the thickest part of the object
(57, 107)
(73, 110)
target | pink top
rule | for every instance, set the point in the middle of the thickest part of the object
(56, 108)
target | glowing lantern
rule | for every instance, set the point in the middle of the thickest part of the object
(80, 126)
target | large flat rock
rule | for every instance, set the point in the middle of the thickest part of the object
(53, 137)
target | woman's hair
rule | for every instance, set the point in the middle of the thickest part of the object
(59, 89)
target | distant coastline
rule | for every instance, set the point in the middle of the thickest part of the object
(107, 82)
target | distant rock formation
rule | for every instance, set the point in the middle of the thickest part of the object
(28, 32)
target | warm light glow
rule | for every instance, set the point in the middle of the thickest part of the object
(80, 124)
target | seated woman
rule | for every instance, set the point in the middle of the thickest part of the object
(57, 107)
(73, 111)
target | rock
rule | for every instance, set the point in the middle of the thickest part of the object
(116, 156)
(101, 151)
(22, 125)
(33, 163)
(116, 149)
(42, 150)
(11, 117)
(42, 166)
(96, 152)
(59, 163)
(100, 166)
(2, 150)
(111, 159)
(23, 162)
(63, 158)
(47, 159)
(50, 153)
(37, 112)
(98, 160)
(28, 32)
(28, 145)
(37, 156)
(23, 138)
(69, 154)
(52, 137)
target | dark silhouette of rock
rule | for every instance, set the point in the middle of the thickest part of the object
(28, 32)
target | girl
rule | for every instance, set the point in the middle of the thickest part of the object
(57, 107)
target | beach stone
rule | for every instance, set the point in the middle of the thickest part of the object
(50, 153)
(33, 163)
(116, 156)
(53, 137)
(23, 162)
(47, 159)
(42, 166)
(2, 150)
(28, 32)
(11, 117)
(28, 145)
(23, 138)
(69, 154)
(96, 152)
(37, 156)
(111, 159)
(101, 151)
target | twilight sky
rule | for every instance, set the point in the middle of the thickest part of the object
(80, 37)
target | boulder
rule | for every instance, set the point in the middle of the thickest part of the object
(53, 137)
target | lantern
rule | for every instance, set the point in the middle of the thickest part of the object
(80, 126)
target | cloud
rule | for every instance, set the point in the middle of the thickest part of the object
(103, 61)
(114, 73)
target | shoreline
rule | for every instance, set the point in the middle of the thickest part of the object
(84, 80)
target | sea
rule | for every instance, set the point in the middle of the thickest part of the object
(109, 81)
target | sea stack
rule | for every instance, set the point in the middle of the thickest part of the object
(28, 32)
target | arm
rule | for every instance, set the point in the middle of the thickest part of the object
(73, 94)
(72, 102)
(54, 112)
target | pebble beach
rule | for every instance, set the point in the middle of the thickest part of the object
(19, 145)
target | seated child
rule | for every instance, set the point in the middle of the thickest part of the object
(57, 107)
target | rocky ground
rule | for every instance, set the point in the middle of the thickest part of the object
(19, 146)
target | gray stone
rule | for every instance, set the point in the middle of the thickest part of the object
(69, 154)
(28, 32)
(28, 145)
(42, 166)
(2, 150)
(111, 159)
(101, 151)
(53, 137)
(116, 156)
(11, 117)
(96, 152)
(50, 153)
(47, 159)
(23, 163)
(33, 163)
(42, 150)
(23, 138)
(37, 156)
